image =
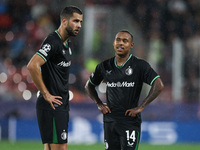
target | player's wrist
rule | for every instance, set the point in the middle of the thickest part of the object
(99, 104)
(45, 94)
(141, 107)
(98, 101)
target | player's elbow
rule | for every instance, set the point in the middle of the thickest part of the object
(161, 86)
(89, 87)
(86, 86)
(30, 66)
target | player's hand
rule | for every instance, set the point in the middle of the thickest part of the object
(103, 108)
(53, 100)
(134, 111)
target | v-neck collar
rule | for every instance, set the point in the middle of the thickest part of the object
(66, 44)
(115, 61)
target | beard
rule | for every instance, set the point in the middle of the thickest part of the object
(70, 31)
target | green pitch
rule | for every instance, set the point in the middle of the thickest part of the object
(21, 145)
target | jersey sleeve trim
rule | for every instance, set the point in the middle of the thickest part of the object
(154, 79)
(92, 82)
(41, 56)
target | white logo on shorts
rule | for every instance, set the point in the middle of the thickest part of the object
(106, 144)
(64, 135)
(130, 144)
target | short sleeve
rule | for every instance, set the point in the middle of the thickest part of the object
(47, 49)
(96, 77)
(149, 75)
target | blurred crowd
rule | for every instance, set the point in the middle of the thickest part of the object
(25, 24)
(162, 21)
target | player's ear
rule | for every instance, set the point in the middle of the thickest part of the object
(132, 45)
(64, 21)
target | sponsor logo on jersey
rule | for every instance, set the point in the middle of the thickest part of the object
(45, 49)
(64, 64)
(119, 84)
(129, 71)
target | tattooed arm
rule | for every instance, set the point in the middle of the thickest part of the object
(155, 90)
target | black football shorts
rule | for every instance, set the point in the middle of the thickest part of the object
(121, 135)
(53, 126)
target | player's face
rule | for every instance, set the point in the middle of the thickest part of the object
(122, 44)
(74, 24)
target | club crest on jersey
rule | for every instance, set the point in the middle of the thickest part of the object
(63, 51)
(129, 71)
(70, 51)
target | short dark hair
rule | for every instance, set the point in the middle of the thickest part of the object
(124, 30)
(68, 11)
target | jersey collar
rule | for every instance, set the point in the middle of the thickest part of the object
(66, 44)
(115, 61)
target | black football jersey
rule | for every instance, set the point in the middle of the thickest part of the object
(55, 71)
(124, 85)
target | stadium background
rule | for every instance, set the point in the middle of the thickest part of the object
(166, 34)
